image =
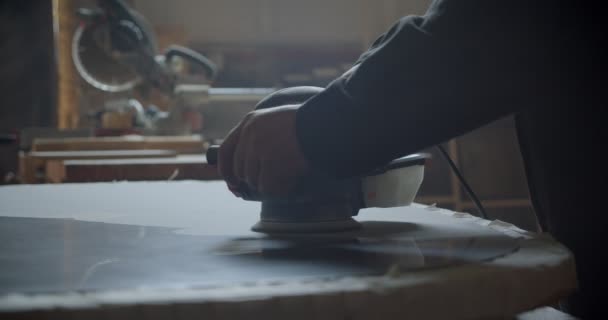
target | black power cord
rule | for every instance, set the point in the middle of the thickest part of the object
(463, 182)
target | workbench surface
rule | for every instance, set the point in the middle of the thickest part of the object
(176, 245)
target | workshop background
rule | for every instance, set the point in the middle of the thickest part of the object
(255, 44)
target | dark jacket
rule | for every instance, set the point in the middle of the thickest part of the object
(462, 65)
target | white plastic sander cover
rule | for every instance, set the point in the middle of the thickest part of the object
(393, 188)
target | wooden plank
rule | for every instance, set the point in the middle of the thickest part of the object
(184, 167)
(102, 154)
(54, 171)
(66, 21)
(181, 144)
(30, 168)
(47, 166)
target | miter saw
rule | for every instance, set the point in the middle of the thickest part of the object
(115, 51)
(320, 205)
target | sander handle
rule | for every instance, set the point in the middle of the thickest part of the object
(407, 161)
(392, 185)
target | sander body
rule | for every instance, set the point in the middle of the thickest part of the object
(321, 204)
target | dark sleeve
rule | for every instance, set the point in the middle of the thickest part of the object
(428, 79)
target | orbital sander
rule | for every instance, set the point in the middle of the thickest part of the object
(319, 204)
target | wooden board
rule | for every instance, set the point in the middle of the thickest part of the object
(48, 166)
(101, 154)
(160, 224)
(183, 167)
(180, 144)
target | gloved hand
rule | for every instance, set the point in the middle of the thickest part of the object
(262, 150)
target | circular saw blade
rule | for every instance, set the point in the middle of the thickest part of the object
(105, 55)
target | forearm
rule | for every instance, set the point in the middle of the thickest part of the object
(425, 81)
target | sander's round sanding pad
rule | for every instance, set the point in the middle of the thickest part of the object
(316, 227)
